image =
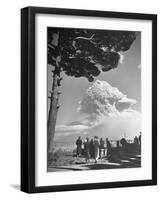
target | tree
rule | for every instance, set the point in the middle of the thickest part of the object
(81, 53)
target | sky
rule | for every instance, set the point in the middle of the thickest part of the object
(72, 122)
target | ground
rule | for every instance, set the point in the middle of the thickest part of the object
(120, 159)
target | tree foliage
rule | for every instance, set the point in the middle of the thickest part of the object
(86, 52)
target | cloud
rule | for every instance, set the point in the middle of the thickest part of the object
(77, 127)
(115, 126)
(112, 126)
(127, 100)
(102, 99)
(125, 103)
(108, 112)
(70, 128)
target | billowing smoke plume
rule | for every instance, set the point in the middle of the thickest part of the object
(102, 99)
(108, 113)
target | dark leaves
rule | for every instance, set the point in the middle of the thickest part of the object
(84, 51)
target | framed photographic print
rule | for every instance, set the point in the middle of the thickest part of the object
(88, 99)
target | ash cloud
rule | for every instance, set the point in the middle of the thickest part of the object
(106, 112)
(101, 99)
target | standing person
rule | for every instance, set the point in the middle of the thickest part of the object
(92, 148)
(96, 148)
(109, 149)
(87, 149)
(136, 140)
(101, 148)
(79, 146)
(140, 138)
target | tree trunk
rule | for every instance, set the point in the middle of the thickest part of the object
(54, 106)
(54, 98)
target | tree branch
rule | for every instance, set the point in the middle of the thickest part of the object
(83, 38)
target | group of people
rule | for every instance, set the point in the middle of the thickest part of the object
(95, 148)
(137, 140)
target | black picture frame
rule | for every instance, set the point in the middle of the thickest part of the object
(28, 98)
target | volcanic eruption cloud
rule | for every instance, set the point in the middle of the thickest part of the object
(109, 112)
(106, 112)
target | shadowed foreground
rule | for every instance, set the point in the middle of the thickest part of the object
(119, 159)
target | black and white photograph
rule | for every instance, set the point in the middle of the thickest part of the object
(89, 90)
(94, 99)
